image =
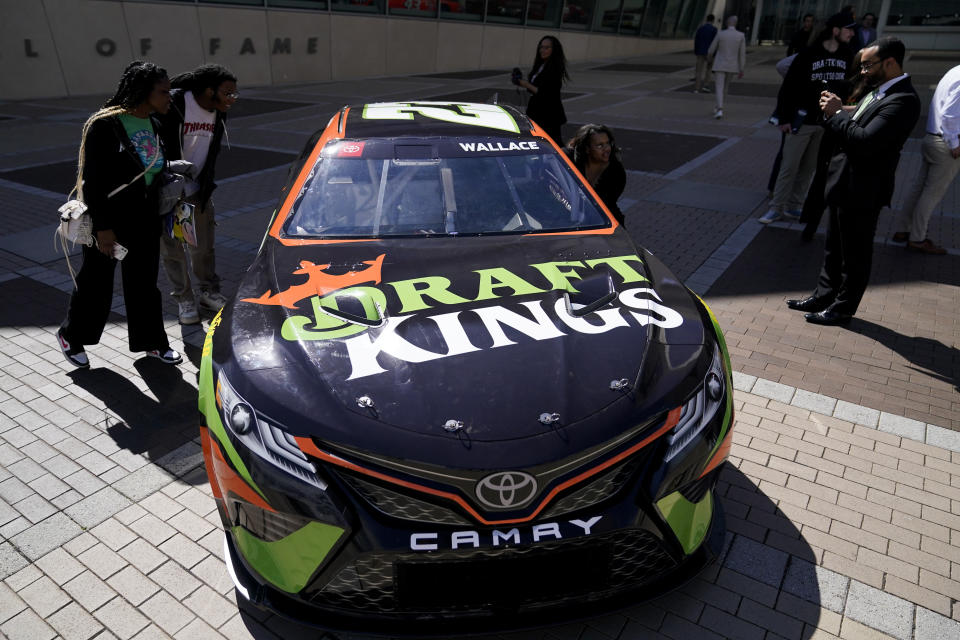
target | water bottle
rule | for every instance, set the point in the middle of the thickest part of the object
(798, 120)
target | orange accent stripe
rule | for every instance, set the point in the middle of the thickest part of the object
(307, 446)
(723, 452)
(330, 133)
(223, 479)
(207, 447)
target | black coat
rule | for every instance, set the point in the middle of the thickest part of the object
(111, 160)
(545, 107)
(867, 151)
(171, 129)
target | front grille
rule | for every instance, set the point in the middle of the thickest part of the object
(587, 568)
(596, 490)
(400, 505)
(406, 507)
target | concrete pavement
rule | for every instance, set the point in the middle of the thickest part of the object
(843, 491)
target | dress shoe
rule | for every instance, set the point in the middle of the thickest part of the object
(828, 317)
(901, 236)
(811, 304)
(926, 247)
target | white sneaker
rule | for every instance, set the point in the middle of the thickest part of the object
(793, 214)
(769, 216)
(718, 114)
(188, 312)
(169, 356)
(211, 300)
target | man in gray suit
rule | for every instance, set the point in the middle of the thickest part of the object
(729, 53)
(860, 182)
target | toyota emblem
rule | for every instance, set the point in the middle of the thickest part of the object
(506, 489)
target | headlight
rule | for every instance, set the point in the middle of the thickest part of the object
(700, 409)
(261, 437)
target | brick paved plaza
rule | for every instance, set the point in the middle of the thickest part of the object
(842, 494)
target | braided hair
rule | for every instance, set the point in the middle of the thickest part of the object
(203, 77)
(136, 84)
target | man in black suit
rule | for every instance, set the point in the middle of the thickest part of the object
(868, 140)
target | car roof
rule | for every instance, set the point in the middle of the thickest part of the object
(425, 118)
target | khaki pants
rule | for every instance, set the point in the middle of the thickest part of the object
(797, 168)
(703, 65)
(174, 254)
(937, 171)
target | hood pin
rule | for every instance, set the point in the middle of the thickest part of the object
(549, 418)
(452, 426)
(365, 402)
(620, 385)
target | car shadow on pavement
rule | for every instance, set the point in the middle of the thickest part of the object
(153, 426)
(929, 356)
(765, 580)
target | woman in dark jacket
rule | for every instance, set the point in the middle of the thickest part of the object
(118, 179)
(547, 75)
(594, 152)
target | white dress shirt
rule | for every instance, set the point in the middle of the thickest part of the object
(944, 116)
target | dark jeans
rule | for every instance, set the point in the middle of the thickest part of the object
(847, 258)
(91, 300)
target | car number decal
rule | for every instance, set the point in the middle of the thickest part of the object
(478, 115)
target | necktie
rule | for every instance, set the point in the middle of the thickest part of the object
(866, 102)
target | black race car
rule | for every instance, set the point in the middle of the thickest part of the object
(452, 391)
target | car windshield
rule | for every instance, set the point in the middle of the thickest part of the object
(479, 194)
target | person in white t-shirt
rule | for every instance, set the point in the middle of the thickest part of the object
(192, 130)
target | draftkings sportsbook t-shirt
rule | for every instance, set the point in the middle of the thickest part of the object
(144, 140)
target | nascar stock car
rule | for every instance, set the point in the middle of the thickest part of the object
(450, 388)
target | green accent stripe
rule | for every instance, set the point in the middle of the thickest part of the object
(690, 521)
(728, 378)
(207, 402)
(289, 562)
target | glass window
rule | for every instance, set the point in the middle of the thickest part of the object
(607, 16)
(577, 13)
(510, 11)
(299, 4)
(668, 24)
(653, 18)
(930, 13)
(360, 6)
(632, 18)
(544, 13)
(461, 9)
(419, 8)
(477, 195)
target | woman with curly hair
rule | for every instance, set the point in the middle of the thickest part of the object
(594, 152)
(120, 161)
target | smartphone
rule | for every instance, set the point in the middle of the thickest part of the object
(119, 251)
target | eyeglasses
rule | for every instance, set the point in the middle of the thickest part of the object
(234, 95)
(602, 145)
(867, 66)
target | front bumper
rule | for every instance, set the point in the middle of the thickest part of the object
(378, 590)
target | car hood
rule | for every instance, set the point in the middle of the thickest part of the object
(474, 339)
